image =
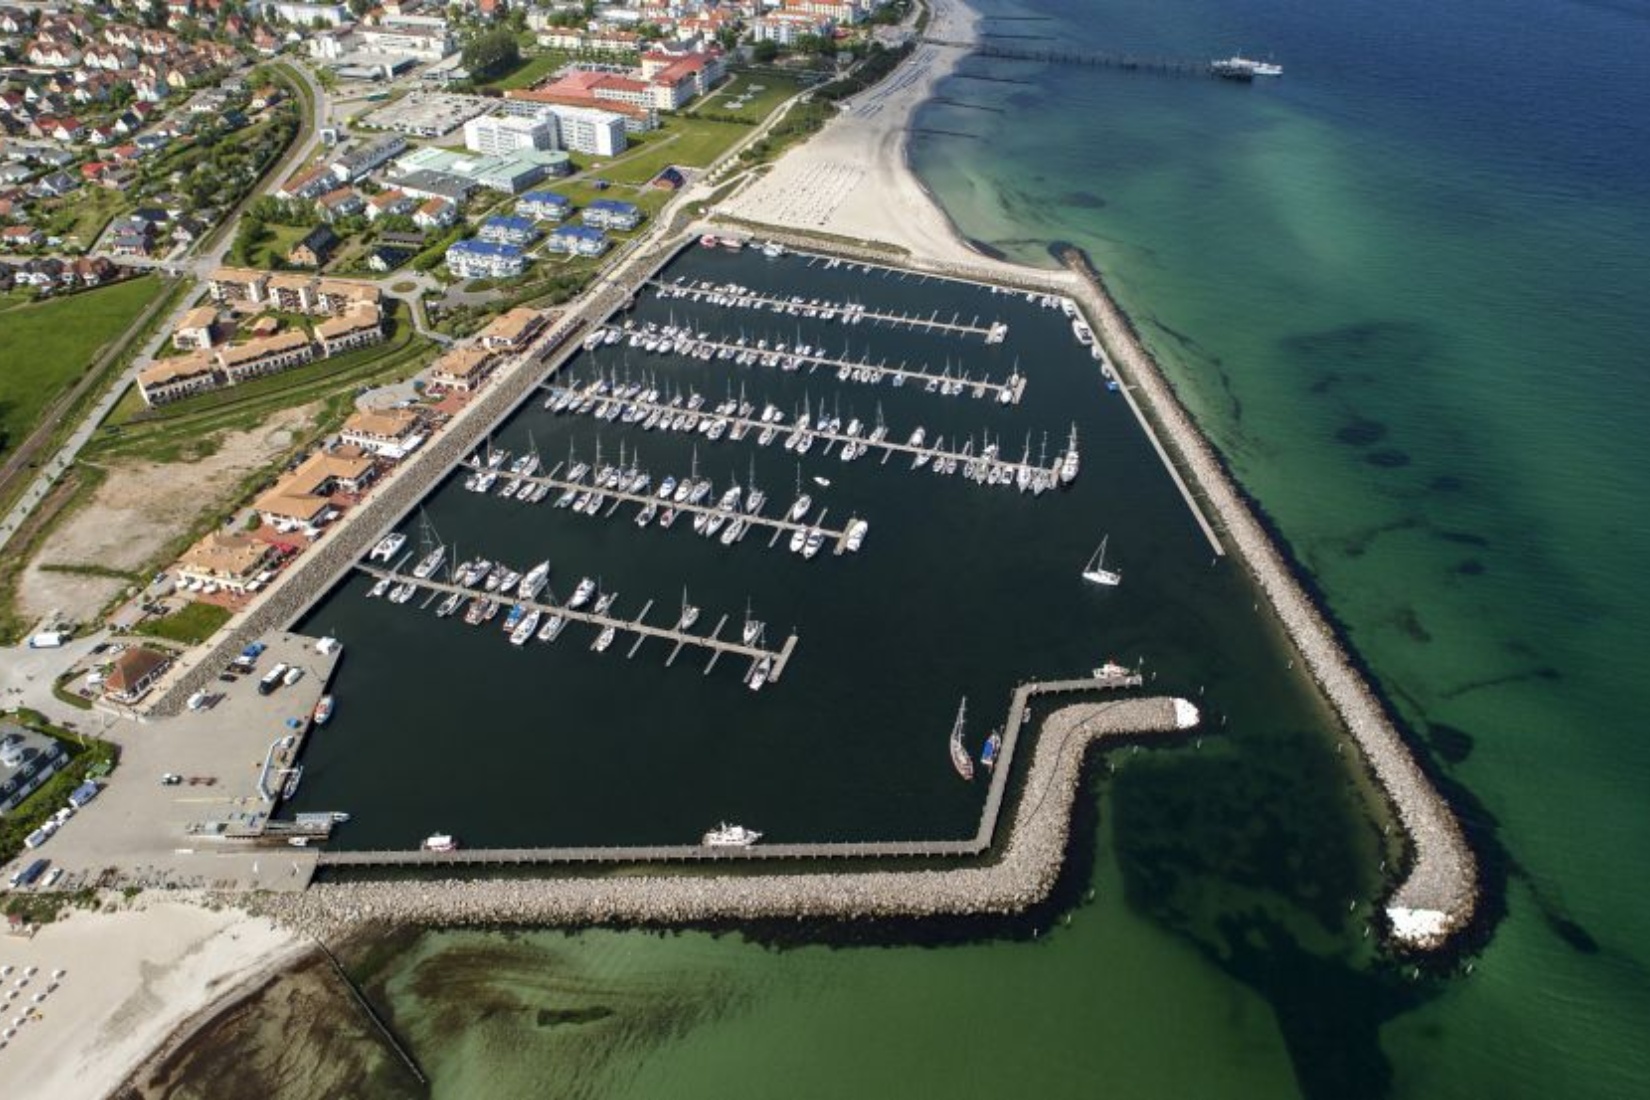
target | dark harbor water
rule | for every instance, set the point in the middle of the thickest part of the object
(1404, 288)
(960, 589)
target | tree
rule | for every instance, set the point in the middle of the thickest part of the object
(492, 53)
(359, 8)
(765, 50)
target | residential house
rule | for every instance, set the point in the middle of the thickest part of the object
(390, 202)
(544, 206)
(512, 330)
(435, 213)
(269, 355)
(473, 259)
(388, 433)
(464, 369)
(228, 560)
(315, 249)
(612, 214)
(358, 326)
(179, 376)
(504, 229)
(577, 240)
(303, 498)
(342, 203)
(198, 330)
(238, 287)
(135, 672)
(22, 236)
(292, 293)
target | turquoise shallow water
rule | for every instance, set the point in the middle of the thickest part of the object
(1404, 290)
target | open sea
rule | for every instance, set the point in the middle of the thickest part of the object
(1405, 289)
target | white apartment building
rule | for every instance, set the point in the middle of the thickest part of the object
(588, 130)
(510, 134)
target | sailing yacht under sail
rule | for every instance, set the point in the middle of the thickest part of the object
(1096, 572)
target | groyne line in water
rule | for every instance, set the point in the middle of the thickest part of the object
(1439, 894)
(1024, 874)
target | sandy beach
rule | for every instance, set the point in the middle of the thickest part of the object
(128, 980)
(852, 178)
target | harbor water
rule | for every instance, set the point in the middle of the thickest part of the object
(1403, 290)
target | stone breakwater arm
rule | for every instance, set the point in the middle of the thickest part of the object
(1024, 874)
(1440, 892)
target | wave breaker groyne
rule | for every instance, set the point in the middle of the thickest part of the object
(1438, 893)
(1022, 876)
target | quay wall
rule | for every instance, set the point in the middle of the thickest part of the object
(1439, 894)
(1024, 874)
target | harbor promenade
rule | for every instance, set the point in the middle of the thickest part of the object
(1023, 874)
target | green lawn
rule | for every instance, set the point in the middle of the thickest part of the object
(691, 142)
(278, 242)
(80, 216)
(532, 70)
(49, 344)
(191, 625)
(776, 88)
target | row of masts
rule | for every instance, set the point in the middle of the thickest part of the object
(674, 339)
(684, 410)
(737, 296)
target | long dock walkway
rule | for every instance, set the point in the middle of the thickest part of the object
(985, 835)
(780, 525)
(922, 454)
(740, 297)
(847, 370)
(679, 638)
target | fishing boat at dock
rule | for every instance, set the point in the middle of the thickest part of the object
(960, 759)
(439, 842)
(992, 748)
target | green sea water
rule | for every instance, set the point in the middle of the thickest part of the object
(1404, 290)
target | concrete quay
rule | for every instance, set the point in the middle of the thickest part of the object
(1024, 874)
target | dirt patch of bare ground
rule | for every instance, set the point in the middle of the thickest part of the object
(140, 508)
(297, 1037)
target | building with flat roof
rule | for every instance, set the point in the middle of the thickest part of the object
(511, 173)
(544, 206)
(425, 184)
(637, 119)
(427, 42)
(351, 166)
(509, 133)
(577, 240)
(473, 259)
(612, 214)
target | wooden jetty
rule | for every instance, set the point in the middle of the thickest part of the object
(679, 638)
(780, 525)
(857, 370)
(889, 447)
(984, 836)
(996, 46)
(846, 312)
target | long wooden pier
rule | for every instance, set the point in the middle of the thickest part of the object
(788, 358)
(993, 46)
(679, 638)
(984, 836)
(780, 525)
(888, 446)
(740, 297)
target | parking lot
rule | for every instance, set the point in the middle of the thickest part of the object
(141, 831)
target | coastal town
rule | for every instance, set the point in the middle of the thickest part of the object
(325, 253)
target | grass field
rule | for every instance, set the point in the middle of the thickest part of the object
(757, 105)
(191, 625)
(277, 243)
(80, 216)
(533, 69)
(692, 142)
(48, 345)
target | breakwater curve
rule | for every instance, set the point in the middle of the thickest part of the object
(1024, 873)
